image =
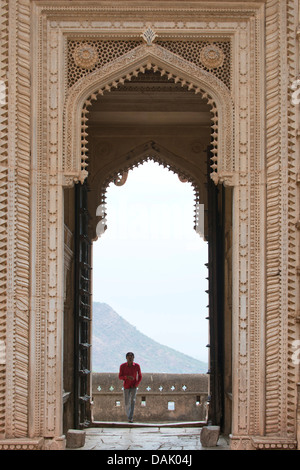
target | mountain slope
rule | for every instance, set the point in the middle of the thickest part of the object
(113, 337)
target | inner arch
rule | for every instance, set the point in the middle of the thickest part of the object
(150, 117)
(150, 151)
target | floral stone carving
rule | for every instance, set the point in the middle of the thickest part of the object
(85, 56)
(212, 56)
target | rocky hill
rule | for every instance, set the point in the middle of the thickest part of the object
(113, 337)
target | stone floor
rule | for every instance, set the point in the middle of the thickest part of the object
(147, 438)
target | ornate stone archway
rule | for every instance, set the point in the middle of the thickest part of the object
(147, 57)
(259, 163)
(229, 166)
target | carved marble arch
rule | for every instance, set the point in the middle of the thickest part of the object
(117, 172)
(142, 58)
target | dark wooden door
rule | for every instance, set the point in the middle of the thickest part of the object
(82, 310)
(216, 298)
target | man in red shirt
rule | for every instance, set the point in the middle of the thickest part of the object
(130, 373)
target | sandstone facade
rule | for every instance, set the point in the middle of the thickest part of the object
(58, 59)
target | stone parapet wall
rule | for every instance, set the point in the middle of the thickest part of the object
(160, 398)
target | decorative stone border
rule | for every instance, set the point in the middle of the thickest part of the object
(260, 165)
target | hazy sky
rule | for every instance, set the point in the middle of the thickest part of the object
(149, 265)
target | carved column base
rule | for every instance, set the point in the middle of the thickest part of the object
(40, 443)
(57, 443)
(274, 443)
(240, 443)
(22, 444)
(262, 443)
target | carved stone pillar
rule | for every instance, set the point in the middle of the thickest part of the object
(15, 208)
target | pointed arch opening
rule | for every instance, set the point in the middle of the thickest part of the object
(149, 266)
(152, 151)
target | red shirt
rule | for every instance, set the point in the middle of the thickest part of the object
(134, 371)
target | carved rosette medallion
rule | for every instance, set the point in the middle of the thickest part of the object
(86, 56)
(212, 56)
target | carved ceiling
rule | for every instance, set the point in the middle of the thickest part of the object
(149, 100)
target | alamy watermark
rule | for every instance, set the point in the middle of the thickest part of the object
(2, 352)
(296, 353)
(200, 219)
(101, 225)
(3, 93)
(296, 93)
(140, 221)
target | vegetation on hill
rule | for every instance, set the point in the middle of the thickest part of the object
(113, 337)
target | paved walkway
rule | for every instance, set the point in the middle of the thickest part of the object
(147, 438)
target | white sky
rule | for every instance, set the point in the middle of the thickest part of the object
(149, 265)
